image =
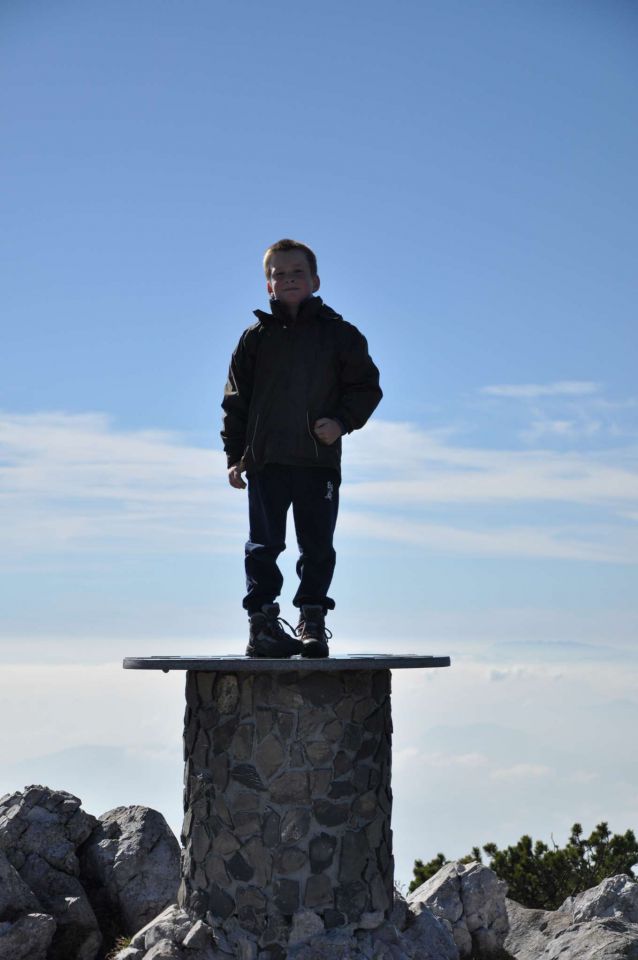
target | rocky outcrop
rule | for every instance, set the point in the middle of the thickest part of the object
(615, 897)
(599, 924)
(40, 833)
(470, 900)
(130, 868)
(58, 863)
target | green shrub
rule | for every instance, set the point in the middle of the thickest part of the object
(543, 877)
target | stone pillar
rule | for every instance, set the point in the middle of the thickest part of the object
(287, 800)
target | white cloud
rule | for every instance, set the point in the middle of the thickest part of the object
(521, 771)
(77, 484)
(529, 391)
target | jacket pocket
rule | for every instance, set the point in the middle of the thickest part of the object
(312, 436)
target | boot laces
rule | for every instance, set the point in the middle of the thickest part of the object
(317, 625)
(275, 624)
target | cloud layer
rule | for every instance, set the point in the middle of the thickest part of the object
(77, 483)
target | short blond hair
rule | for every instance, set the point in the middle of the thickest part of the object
(282, 245)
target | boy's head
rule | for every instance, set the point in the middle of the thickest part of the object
(291, 272)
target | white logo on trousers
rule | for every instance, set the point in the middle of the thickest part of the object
(329, 490)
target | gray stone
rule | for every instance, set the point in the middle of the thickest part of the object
(344, 708)
(130, 868)
(220, 904)
(251, 897)
(242, 742)
(365, 806)
(295, 825)
(289, 860)
(311, 722)
(219, 772)
(239, 868)
(286, 895)
(471, 899)
(431, 937)
(351, 899)
(333, 731)
(297, 755)
(322, 851)
(321, 690)
(204, 683)
(246, 774)
(226, 693)
(61, 895)
(354, 856)
(263, 722)
(216, 871)
(271, 832)
(199, 937)
(290, 787)
(330, 814)
(225, 843)
(363, 709)
(172, 923)
(598, 939)
(320, 780)
(164, 950)
(16, 897)
(305, 925)
(247, 824)
(260, 858)
(614, 897)
(370, 921)
(246, 801)
(353, 737)
(319, 754)
(270, 755)
(319, 892)
(530, 931)
(27, 938)
(342, 764)
(285, 724)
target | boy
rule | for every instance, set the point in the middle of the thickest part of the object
(299, 379)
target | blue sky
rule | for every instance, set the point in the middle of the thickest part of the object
(466, 175)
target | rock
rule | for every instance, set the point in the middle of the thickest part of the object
(530, 931)
(614, 897)
(16, 898)
(470, 899)
(40, 833)
(172, 924)
(599, 939)
(594, 925)
(306, 924)
(400, 910)
(431, 937)
(130, 868)
(28, 938)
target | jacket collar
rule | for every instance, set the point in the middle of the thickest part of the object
(309, 309)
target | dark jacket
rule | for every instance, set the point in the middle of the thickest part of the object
(286, 374)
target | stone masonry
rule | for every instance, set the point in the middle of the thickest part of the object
(287, 801)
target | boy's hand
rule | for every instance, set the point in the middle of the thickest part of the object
(327, 430)
(235, 476)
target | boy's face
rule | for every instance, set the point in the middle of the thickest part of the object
(290, 279)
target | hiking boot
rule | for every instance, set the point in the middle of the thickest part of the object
(312, 632)
(267, 636)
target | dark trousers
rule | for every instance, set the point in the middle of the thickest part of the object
(313, 493)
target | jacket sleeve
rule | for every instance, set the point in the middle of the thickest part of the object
(237, 394)
(360, 390)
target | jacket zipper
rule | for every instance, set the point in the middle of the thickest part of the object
(252, 449)
(312, 435)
